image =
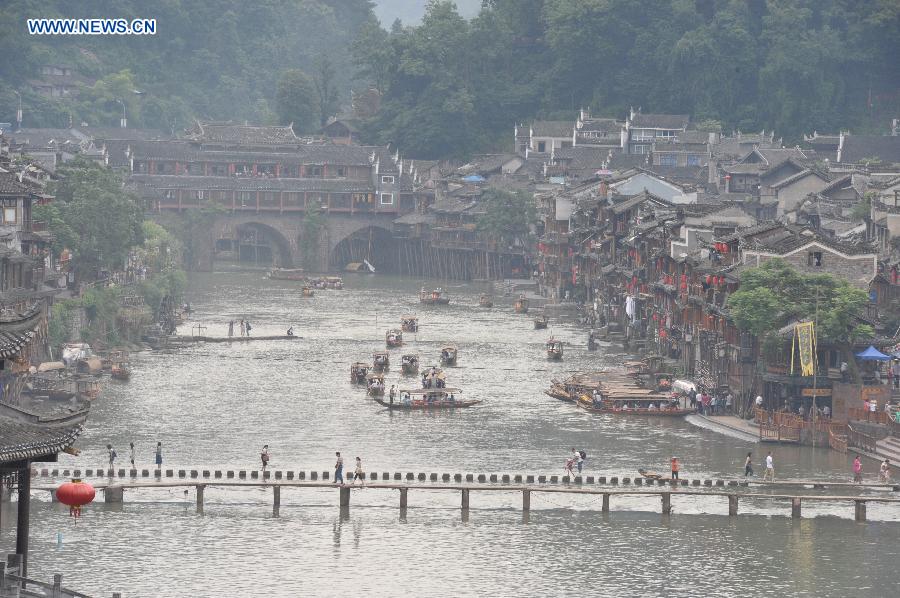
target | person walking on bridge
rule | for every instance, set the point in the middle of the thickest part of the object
(112, 455)
(748, 466)
(770, 467)
(339, 469)
(857, 470)
(158, 456)
(675, 468)
(264, 457)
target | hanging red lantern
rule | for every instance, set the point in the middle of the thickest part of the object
(663, 334)
(75, 494)
(709, 279)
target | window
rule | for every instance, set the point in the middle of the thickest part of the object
(566, 144)
(814, 259)
(314, 171)
(387, 199)
(341, 171)
(387, 179)
(641, 149)
(667, 160)
(693, 160)
(542, 146)
(9, 215)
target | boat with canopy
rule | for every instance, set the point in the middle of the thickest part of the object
(428, 398)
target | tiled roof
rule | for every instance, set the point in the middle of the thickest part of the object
(582, 157)
(553, 128)
(168, 181)
(42, 138)
(20, 440)
(108, 133)
(861, 147)
(343, 155)
(790, 243)
(244, 134)
(660, 121)
(606, 125)
(10, 185)
(636, 200)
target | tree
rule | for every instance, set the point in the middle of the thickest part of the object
(313, 222)
(192, 229)
(775, 294)
(295, 101)
(93, 216)
(508, 217)
(326, 91)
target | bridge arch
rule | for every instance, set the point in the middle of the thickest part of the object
(372, 242)
(253, 234)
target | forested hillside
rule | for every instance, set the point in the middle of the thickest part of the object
(453, 86)
(209, 58)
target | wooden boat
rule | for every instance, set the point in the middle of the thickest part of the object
(560, 392)
(287, 274)
(554, 349)
(358, 372)
(308, 292)
(541, 322)
(375, 384)
(576, 385)
(449, 355)
(650, 475)
(393, 338)
(334, 282)
(87, 387)
(409, 364)
(120, 371)
(435, 297)
(486, 301)
(381, 361)
(653, 406)
(521, 305)
(409, 324)
(428, 398)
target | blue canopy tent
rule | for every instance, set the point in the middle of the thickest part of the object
(474, 178)
(873, 354)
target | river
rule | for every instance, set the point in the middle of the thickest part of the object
(213, 406)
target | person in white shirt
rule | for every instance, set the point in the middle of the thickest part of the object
(826, 410)
(873, 406)
(759, 401)
(770, 468)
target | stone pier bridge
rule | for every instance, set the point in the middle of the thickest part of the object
(283, 233)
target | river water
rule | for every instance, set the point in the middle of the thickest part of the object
(213, 406)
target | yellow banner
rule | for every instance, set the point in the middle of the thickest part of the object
(806, 347)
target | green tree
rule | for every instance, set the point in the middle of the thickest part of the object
(313, 223)
(775, 294)
(326, 90)
(192, 231)
(508, 217)
(93, 216)
(296, 101)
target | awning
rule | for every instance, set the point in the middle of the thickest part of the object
(873, 354)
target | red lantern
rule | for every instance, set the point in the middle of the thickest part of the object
(709, 279)
(75, 494)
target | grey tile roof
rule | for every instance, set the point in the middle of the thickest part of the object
(606, 125)
(553, 128)
(164, 181)
(582, 156)
(243, 134)
(10, 185)
(110, 133)
(861, 147)
(20, 440)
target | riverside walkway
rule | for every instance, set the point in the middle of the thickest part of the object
(605, 487)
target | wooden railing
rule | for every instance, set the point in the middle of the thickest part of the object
(857, 439)
(779, 432)
(873, 417)
(837, 437)
(13, 585)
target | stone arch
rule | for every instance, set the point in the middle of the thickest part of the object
(374, 242)
(282, 254)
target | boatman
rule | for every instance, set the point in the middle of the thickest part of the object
(392, 393)
(290, 331)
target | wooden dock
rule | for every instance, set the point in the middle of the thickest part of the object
(232, 339)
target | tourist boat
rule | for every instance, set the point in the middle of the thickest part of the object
(287, 274)
(375, 384)
(308, 292)
(428, 398)
(448, 355)
(120, 369)
(358, 372)
(541, 322)
(87, 387)
(334, 282)
(409, 323)
(410, 364)
(657, 404)
(521, 305)
(393, 338)
(381, 361)
(554, 349)
(574, 386)
(435, 297)
(486, 301)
